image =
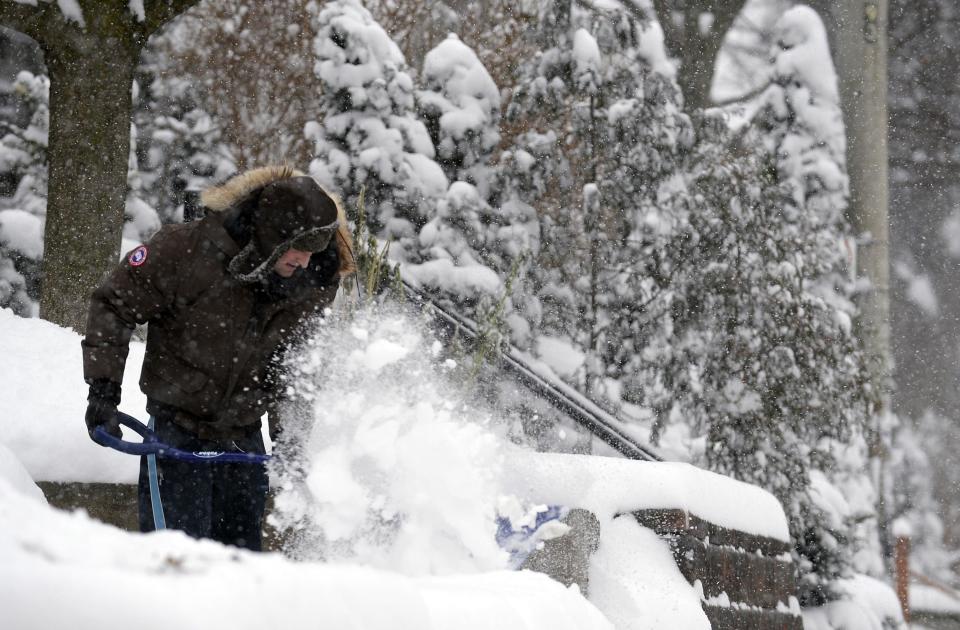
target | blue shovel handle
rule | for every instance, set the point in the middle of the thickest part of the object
(152, 445)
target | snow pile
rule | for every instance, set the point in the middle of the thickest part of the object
(393, 468)
(13, 472)
(933, 599)
(609, 487)
(104, 578)
(44, 397)
(867, 604)
(634, 579)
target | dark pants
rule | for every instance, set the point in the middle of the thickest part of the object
(224, 502)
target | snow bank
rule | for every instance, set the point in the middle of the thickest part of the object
(634, 578)
(867, 604)
(635, 581)
(608, 487)
(13, 472)
(103, 578)
(931, 599)
(43, 400)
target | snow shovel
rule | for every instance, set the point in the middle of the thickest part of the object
(152, 445)
(153, 448)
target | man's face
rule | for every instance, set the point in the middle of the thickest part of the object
(290, 261)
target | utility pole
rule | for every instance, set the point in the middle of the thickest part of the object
(858, 33)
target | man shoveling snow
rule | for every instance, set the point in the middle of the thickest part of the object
(224, 297)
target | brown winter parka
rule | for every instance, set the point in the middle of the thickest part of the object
(213, 345)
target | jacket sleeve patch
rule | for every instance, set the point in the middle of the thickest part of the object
(138, 256)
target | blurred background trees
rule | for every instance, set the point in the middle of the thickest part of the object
(586, 151)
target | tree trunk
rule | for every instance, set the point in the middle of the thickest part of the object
(694, 32)
(90, 109)
(91, 69)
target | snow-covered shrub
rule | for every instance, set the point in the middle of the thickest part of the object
(739, 345)
(605, 128)
(460, 105)
(367, 135)
(179, 145)
(22, 214)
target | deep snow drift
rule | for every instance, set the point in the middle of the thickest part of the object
(43, 399)
(397, 483)
(392, 491)
(103, 578)
(60, 570)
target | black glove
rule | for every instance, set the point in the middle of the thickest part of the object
(325, 265)
(102, 404)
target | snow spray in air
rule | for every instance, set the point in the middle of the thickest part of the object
(385, 463)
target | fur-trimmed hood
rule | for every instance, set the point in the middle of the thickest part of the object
(234, 190)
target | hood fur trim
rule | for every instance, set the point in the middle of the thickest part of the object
(222, 197)
(348, 265)
(235, 189)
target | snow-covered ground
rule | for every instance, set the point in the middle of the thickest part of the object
(409, 492)
(60, 570)
(868, 604)
(933, 599)
(398, 474)
(43, 399)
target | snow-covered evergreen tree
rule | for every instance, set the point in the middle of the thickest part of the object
(460, 105)
(180, 145)
(367, 135)
(801, 124)
(617, 128)
(801, 115)
(23, 164)
(490, 246)
(744, 350)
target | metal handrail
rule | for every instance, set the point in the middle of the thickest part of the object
(578, 407)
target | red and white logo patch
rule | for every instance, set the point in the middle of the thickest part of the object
(138, 256)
